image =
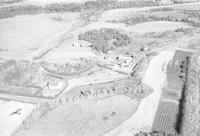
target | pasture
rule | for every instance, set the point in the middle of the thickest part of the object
(92, 118)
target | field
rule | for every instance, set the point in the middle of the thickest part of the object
(92, 118)
(10, 123)
(36, 30)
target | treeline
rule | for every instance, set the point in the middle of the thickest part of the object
(190, 17)
(182, 100)
(71, 7)
(191, 120)
(9, 1)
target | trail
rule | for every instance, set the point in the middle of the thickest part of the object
(144, 116)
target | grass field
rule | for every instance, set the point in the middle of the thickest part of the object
(26, 33)
(92, 118)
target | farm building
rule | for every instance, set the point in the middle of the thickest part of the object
(81, 43)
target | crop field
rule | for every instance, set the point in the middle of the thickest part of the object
(165, 118)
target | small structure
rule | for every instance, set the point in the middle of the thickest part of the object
(144, 49)
(76, 45)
